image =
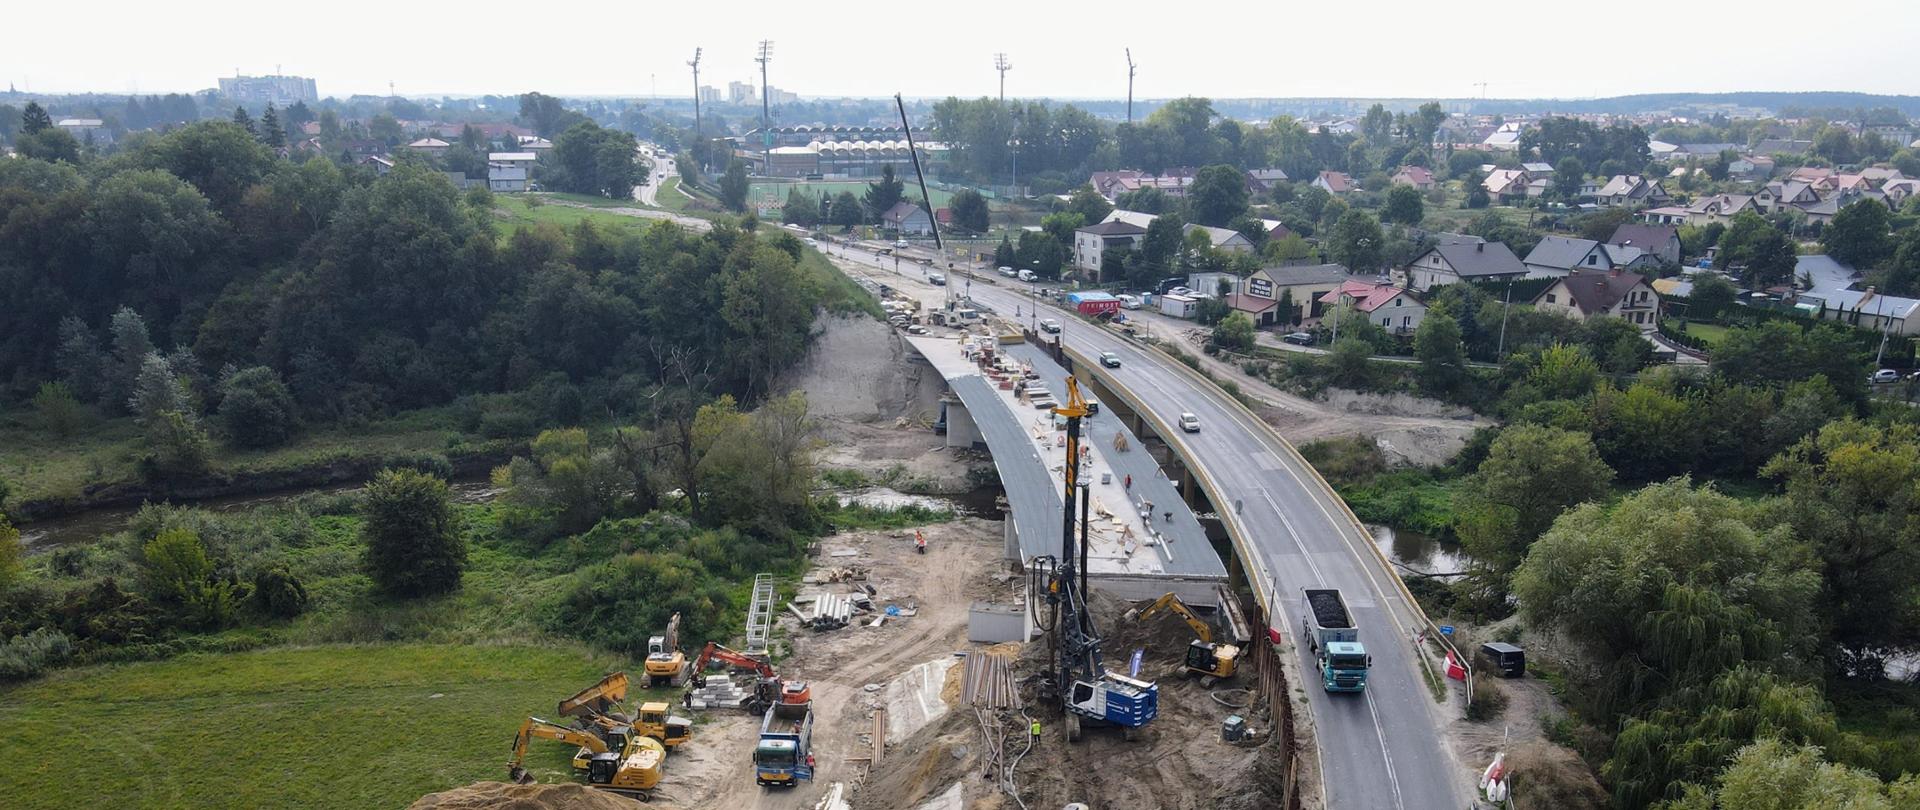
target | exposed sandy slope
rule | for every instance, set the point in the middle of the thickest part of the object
(504, 796)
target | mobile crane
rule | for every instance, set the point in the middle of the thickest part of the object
(633, 769)
(1088, 692)
(768, 688)
(1212, 662)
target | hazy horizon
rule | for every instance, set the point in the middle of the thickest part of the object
(1232, 50)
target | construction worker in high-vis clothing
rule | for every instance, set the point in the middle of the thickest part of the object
(1035, 731)
(919, 542)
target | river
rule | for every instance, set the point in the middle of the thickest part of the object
(1416, 552)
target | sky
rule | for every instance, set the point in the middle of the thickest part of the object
(1276, 48)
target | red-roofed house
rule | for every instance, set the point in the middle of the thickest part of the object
(1395, 309)
(1416, 176)
(1333, 182)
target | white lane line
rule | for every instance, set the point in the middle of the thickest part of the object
(1385, 755)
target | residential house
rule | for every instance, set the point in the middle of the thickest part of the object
(1879, 175)
(1395, 309)
(1506, 184)
(508, 176)
(1703, 151)
(1333, 182)
(1664, 215)
(1131, 217)
(380, 163)
(1819, 272)
(1417, 176)
(1720, 208)
(1260, 296)
(1261, 182)
(535, 144)
(1276, 229)
(1538, 169)
(523, 160)
(1504, 139)
(1791, 193)
(1556, 256)
(1899, 189)
(1631, 189)
(86, 130)
(1751, 167)
(1226, 239)
(1104, 183)
(1662, 242)
(907, 219)
(1091, 243)
(1587, 294)
(430, 146)
(1782, 146)
(1820, 177)
(1462, 261)
(1867, 309)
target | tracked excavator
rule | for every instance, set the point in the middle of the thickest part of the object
(597, 708)
(632, 770)
(1088, 693)
(768, 688)
(1212, 662)
(666, 664)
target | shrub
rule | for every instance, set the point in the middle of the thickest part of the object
(434, 464)
(256, 409)
(414, 546)
(1346, 460)
(618, 604)
(1489, 700)
(180, 574)
(277, 593)
(512, 424)
(27, 656)
(57, 410)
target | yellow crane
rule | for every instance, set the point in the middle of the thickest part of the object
(1212, 662)
(634, 769)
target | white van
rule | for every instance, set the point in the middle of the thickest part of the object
(1128, 301)
(1027, 275)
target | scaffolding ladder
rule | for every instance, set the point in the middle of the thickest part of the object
(760, 615)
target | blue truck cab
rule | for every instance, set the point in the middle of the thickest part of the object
(784, 755)
(1343, 666)
(1333, 635)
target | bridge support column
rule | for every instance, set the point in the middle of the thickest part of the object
(1189, 488)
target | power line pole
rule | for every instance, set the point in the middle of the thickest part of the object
(695, 64)
(766, 131)
(1001, 63)
(1130, 68)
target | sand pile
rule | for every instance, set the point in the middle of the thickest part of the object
(504, 796)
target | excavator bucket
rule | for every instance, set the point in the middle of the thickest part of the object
(519, 775)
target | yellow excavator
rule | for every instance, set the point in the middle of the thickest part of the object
(1212, 662)
(666, 664)
(633, 770)
(596, 705)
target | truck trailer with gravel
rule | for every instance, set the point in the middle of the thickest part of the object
(1333, 635)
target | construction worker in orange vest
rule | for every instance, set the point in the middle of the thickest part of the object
(919, 542)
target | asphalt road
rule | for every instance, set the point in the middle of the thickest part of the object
(1379, 749)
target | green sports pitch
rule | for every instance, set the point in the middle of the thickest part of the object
(774, 194)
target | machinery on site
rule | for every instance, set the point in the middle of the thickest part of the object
(633, 769)
(1212, 662)
(599, 698)
(1333, 635)
(596, 708)
(784, 755)
(1087, 692)
(666, 664)
(768, 688)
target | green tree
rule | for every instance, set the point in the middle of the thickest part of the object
(767, 303)
(414, 542)
(244, 121)
(1853, 492)
(587, 159)
(1670, 589)
(845, 210)
(177, 446)
(1088, 203)
(51, 145)
(1532, 473)
(12, 553)
(256, 409)
(733, 187)
(883, 194)
(272, 134)
(1860, 235)
(158, 390)
(1443, 358)
(1357, 242)
(1349, 364)
(1041, 253)
(969, 210)
(57, 411)
(1711, 296)
(1218, 195)
(1235, 333)
(1003, 256)
(1771, 774)
(801, 209)
(567, 478)
(1404, 205)
(181, 576)
(34, 119)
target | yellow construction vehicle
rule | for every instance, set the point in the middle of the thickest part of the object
(599, 698)
(633, 769)
(1212, 662)
(656, 720)
(666, 664)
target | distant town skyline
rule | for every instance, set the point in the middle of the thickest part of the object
(1386, 49)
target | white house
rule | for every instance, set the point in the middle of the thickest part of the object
(1584, 294)
(1395, 309)
(1092, 242)
(1461, 261)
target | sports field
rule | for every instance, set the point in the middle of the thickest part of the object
(775, 193)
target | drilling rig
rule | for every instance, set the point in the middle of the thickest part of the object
(1087, 692)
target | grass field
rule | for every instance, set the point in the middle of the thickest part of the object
(321, 727)
(776, 193)
(519, 214)
(1712, 333)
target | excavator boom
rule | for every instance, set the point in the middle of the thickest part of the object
(598, 698)
(1172, 602)
(547, 730)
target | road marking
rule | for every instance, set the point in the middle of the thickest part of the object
(1385, 755)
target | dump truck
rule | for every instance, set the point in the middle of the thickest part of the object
(784, 755)
(1334, 637)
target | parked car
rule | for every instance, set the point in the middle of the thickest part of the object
(1885, 375)
(937, 279)
(1027, 275)
(1008, 272)
(1298, 338)
(916, 329)
(1189, 423)
(899, 243)
(1050, 326)
(1109, 359)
